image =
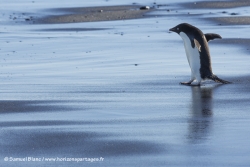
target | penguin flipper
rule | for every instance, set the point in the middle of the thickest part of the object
(212, 36)
(217, 79)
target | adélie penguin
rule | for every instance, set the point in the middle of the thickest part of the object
(197, 52)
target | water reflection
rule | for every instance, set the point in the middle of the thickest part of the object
(201, 112)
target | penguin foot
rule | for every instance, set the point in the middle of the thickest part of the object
(185, 83)
(191, 83)
(195, 83)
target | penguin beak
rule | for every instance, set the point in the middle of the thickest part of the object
(172, 29)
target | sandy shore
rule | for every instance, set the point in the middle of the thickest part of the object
(241, 20)
(230, 10)
(93, 14)
(218, 4)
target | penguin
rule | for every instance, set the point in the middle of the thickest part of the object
(197, 52)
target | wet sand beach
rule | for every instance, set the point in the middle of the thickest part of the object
(97, 84)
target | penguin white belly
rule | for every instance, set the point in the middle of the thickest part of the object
(193, 57)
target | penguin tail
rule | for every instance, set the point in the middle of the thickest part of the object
(217, 79)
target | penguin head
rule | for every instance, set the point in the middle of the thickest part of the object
(183, 27)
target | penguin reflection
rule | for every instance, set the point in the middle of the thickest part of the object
(201, 111)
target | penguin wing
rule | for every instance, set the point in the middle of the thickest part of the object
(197, 45)
(211, 36)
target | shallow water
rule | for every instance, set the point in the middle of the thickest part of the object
(111, 89)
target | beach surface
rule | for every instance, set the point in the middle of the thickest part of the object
(97, 84)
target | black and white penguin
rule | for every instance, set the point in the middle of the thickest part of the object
(197, 52)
